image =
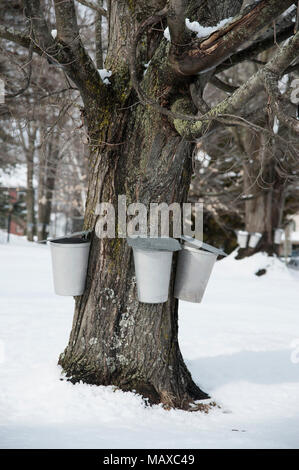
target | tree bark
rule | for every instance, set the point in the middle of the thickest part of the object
(116, 340)
(98, 37)
(30, 198)
(266, 188)
(46, 187)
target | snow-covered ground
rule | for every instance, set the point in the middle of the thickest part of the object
(240, 345)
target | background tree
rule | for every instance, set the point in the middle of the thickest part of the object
(39, 132)
(243, 174)
(142, 129)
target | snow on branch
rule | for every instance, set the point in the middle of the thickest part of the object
(237, 101)
(277, 103)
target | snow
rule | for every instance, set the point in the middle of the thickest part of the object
(229, 174)
(291, 9)
(146, 66)
(203, 158)
(166, 34)
(241, 345)
(275, 125)
(104, 74)
(15, 178)
(294, 236)
(202, 31)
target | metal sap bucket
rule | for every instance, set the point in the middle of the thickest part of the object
(254, 239)
(153, 261)
(242, 237)
(69, 264)
(194, 268)
(153, 269)
(278, 236)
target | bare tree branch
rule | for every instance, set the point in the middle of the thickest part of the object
(23, 89)
(277, 102)
(240, 97)
(40, 33)
(94, 7)
(210, 52)
(74, 59)
(176, 21)
(252, 51)
(66, 22)
(18, 37)
(266, 9)
(198, 100)
(222, 85)
(98, 39)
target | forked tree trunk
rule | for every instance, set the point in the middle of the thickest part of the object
(116, 340)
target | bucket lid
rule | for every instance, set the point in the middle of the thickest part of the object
(200, 244)
(159, 243)
(69, 241)
(242, 232)
(83, 234)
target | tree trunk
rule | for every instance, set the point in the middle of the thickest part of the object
(46, 187)
(98, 37)
(116, 340)
(30, 197)
(263, 211)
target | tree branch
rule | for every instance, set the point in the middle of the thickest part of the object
(94, 7)
(197, 99)
(241, 96)
(252, 51)
(11, 34)
(175, 112)
(210, 52)
(72, 56)
(28, 79)
(66, 22)
(277, 102)
(222, 85)
(40, 32)
(176, 22)
(144, 99)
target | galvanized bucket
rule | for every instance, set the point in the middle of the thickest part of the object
(278, 236)
(153, 269)
(69, 263)
(153, 260)
(193, 272)
(194, 268)
(242, 237)
(254, 239)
